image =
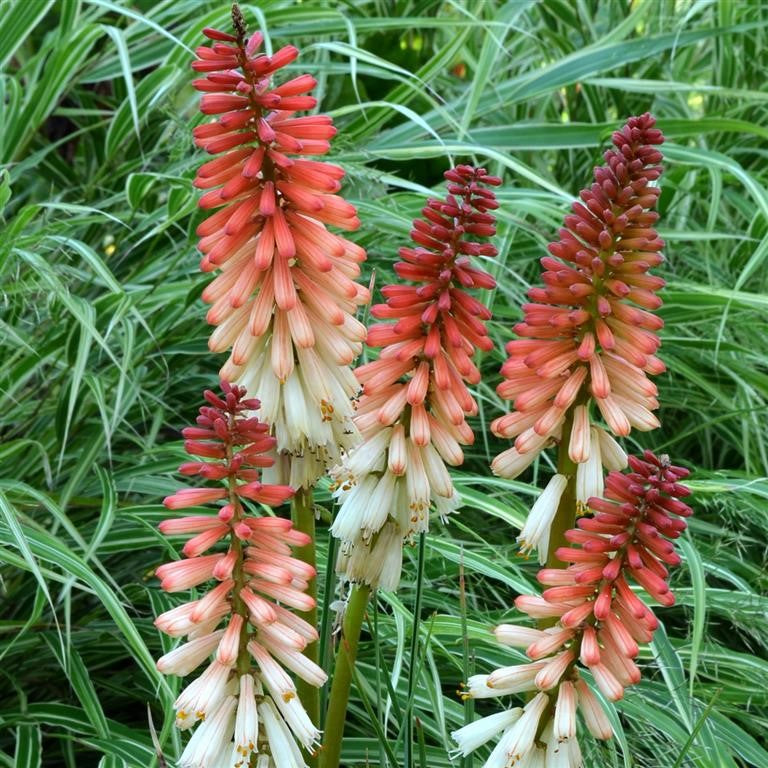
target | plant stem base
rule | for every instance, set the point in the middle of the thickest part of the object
(342, 676)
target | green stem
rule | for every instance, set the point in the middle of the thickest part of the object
(408, 740)
(342, 676)
(325, 643)
(239, 576)
(469, 704)
(303, 516)
(565, 517)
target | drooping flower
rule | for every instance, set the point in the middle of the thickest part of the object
(241, 628)
(535, 532)
(589, 335)
(412, 413)
(597, 620)
(285, 296)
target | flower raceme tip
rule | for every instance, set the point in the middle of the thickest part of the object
(589, 333)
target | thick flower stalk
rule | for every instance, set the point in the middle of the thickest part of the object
(285, 296)
(412, 413)
(598, 621)
(242, 628)
(589, 335)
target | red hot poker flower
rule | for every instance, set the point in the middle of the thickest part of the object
(591, 331)
(244, 693)
(415, 397)
(285, 297)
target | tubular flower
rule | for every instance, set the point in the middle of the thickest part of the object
(598, 621)
(285, 296)
(590, 332)
(412, 413)
(241, 628)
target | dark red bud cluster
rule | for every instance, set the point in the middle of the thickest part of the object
(427, 355)
(590, 321)
(441, 263)
(630, 532)
(235, 446)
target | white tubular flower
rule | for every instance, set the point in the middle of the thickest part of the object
(511, 463)
(297, 662)
(297, 720)
(474, 735)
(520, 637)
(589, 475)
(378, 563)
(371, 455)
(388, 553)
(445, 506)
(274, 676)
(378, 505)
(419, 492)
(209, 741)
(188, 657)
(517, 743)
(246, 723)
(613, 455)
(202, 695)
(354, 499)
(564, 723)
(560, 753)
(282, 746)
(437, 473)
(230, 642)
(535, 532)
(519, 676)
(503, 681)
(397, 455)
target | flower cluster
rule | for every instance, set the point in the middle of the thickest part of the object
(596, 618)
(245, 701)
(415, 401)
(285, 296)
(590, 332)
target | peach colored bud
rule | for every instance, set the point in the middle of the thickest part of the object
(580, 444)
(193, 497)
(184, 574)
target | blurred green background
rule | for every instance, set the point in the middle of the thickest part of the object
(104, 354)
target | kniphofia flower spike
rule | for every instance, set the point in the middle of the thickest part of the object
(597, 620)
(412, 413)
(589, 335)
(241, 626)
(285, 296)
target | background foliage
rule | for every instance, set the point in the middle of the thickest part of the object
(103, 341)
